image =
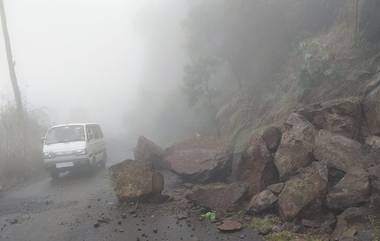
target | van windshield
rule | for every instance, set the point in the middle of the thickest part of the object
(65, 134)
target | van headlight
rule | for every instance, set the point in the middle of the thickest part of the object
(81, 152)
(48, 155)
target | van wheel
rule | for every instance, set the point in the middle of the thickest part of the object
(54, 174)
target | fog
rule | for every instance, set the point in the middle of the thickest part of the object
(112, 62)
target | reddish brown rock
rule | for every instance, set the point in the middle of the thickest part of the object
(147, 150)
(218, 197)
(272, 138)
(340, 116)
(296, 146)
(303, 189)
(262, 201)
(352, 190)
(256, 166)
(133, 180)
(200, 159)
(229, 225)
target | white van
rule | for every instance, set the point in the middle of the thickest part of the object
(72, 146)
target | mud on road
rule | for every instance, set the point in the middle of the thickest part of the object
(80, 207)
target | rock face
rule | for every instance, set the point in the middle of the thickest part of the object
(200, 159)
(262, 201)
(338, 151)
(352, 190)
(256, 166)
(373, 142)
(296, 146)
(147, 150)
(341, 116)
(371, 109)
(303, 189)
(272, 138)
(218, 197)
(133, 180)
(276, 188)
(374, 175)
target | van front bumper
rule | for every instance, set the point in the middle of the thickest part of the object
(76, 161)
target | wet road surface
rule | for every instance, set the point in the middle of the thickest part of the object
(80, 207)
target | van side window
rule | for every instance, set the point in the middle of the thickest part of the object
(90, 133)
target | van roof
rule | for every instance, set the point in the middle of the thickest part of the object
(74, 124)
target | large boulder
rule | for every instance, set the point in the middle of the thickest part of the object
(272, 138)
(340, 116)
(343, 153)
(352, 190)
(218, 197)
(295, 150)
(256, 166)
(338, 151)
(200, 159)
(147, 150)
(371, 109)
(356, 222)
(262, 201)
(302, 190)
(135, 180)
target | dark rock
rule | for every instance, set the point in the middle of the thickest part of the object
(218, 197)
(295, 150)
(352, 190)
(133, 180)
(276, 188)
(147, 150)
(303, 189)
(256, 167)
(340, 116)
(262, 201)
(230, 225)
(310, 223)
(272, 138)
(371, 109)
(200, 159)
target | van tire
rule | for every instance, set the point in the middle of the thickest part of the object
(54, 174)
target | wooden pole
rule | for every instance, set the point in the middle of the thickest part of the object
(11, 65)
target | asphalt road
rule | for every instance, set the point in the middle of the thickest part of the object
(82, 207)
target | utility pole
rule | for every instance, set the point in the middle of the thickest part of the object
(11, 65)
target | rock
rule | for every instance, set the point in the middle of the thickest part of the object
(352, 190)
(147, 150)
(200, 159)
(340, 116)
(373, 142)
(230, 225)
(218, 197)
(133, 180)
(338, 151)
(374, 175)
(371, 110)
(272, 138)
(276, 188)
(310, 223)
(303, 189)
(295, 150)
(350, 222)
(262, 201)
(256, 166)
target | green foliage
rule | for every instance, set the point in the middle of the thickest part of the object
(265, 224)
(281, 236)
(210, 216)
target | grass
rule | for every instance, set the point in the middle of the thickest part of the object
(266, 224)
(281, 236)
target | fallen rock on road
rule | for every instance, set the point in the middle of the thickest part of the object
(135, 180)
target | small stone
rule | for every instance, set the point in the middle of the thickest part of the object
(229, 225)
(96, 225)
